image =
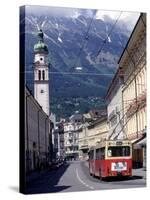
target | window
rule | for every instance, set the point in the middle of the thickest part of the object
(118, 151)
(91, 154)
(75, 148)
(71, 148)
(113, 121)
(39, 75)
(43, 74)
(102, 153)
(34, 144)
(70, 134)
(97, 154)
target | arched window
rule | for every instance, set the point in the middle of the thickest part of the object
(39, 75)
(43, 74)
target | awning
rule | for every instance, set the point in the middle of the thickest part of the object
(139, 144)
(142, 142)
(135, 141)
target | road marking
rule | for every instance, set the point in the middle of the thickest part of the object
(81, 181)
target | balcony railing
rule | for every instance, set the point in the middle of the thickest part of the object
(136, 104)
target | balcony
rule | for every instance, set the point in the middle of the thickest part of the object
(138, 103)
(141, 101)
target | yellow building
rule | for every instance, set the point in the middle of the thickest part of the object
(133, 63)
(91, 134)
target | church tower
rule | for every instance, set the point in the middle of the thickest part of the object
(41, 75)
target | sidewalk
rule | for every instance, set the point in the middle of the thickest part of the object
(139, 172)
(35, 175)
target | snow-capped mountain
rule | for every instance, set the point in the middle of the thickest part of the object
(73, 43)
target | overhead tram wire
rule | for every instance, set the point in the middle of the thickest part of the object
(76, 73)
(113, 26)
(84, 41)
(82, 46)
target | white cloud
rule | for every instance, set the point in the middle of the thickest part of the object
(102, 14)
(129, 18)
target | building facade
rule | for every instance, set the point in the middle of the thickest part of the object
(60, 140)
(37, 125)
(71, 136)
(133, 63)
(90, 134)
(114, 107)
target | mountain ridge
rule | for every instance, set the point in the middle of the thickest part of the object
(65, 37)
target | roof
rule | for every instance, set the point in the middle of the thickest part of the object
(118, 75)
(140, 18)
(87, 115)
(76, 116)
(40, 46)
(29, 93)
(112, 84)
(97, 122)
(112, 143)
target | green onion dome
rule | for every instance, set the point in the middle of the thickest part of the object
(40, 47)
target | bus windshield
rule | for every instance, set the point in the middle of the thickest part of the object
(118, 151)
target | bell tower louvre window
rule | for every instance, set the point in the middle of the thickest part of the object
(43, 74)
(39, 75)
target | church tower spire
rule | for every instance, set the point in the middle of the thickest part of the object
(41, 75)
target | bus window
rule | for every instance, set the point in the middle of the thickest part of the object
(102, 153)
(91, 155)
(118, 151)
(97, 154)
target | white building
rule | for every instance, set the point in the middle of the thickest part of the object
(53, 120)
(114, 108)
(71, 140)
(71, 136)
(41, 75)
